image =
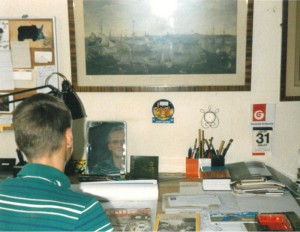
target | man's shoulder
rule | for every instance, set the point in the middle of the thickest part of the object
(80, 197)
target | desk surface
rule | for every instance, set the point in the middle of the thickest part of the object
(170, 186)
(261, 204)
(245, 203)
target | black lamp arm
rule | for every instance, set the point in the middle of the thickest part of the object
(53, 91)
(67, 94)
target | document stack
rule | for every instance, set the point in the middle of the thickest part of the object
(258, 186)
(254, 177)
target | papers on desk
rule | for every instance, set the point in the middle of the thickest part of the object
(178, 203)
(258, 186)
(192, 200)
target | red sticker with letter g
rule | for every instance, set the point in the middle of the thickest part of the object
(259, 112)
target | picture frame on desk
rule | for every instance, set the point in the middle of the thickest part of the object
(106, 148)
(290, 52)
(140, 50)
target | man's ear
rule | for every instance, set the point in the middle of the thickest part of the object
(69, 138)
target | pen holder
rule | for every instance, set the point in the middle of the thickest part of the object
(192, 168)
(217, 160)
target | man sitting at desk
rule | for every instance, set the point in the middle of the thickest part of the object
(40, 198)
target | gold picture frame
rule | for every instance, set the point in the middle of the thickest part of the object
(234, 76)
(290, 55)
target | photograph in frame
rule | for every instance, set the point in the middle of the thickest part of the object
(151, 51)
(106, 148)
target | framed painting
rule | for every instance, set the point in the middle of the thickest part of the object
(290, 55)
(151, 45)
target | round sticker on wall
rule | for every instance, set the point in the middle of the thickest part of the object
(163, 111)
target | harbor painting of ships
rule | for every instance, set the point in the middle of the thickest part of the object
(149, 37)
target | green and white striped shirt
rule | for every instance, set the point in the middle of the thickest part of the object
(40, 198)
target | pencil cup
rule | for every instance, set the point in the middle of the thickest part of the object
(217, 160)
(192, 168)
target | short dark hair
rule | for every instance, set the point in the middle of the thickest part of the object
(40, 123)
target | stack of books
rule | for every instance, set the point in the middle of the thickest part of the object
(258, 186)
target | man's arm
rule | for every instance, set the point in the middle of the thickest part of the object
(93, 218)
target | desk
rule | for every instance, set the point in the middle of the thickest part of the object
(262, 204)
(170, 186)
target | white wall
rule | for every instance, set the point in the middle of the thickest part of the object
(171, 141)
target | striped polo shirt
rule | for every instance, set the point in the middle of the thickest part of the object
(40, 198)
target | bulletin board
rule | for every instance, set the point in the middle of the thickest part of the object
(28, 55)
(28, 51)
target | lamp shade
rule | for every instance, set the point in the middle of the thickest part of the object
(72, 101)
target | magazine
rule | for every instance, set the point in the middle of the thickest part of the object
(233, 217)
(124, 219)
(177, 222)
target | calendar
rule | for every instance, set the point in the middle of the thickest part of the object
(263, 121)
(262, 140)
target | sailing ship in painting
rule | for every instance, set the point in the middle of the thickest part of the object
(166, 54)
(198, 37)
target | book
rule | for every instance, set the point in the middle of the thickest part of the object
(248, 170)
(224, 217)
(144, 167)
(177, 222)
(132, 219)
(216, 178)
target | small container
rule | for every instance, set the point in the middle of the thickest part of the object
(192, 168)
(217, 160)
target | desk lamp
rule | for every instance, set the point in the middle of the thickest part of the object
(67, 94)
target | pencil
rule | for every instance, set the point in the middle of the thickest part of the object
(195, 148)
(202, 149)
(221, 147)
(199, 138)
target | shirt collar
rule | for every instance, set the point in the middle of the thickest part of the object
(45, 172)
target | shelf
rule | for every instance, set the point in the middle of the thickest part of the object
(5, 127)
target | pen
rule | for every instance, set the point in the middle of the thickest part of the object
(190, 153)
(227, 147)
(202, 142)
(206, 153)
(213, 151)
(195, 148)
(199, 138)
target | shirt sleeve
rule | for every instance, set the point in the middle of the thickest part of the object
(93, 218)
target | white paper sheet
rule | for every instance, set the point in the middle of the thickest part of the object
(120, 190)
(193, 200)
(6, 71)
(20, 52)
